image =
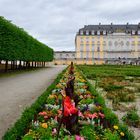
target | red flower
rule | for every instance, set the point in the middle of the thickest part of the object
(69, 108)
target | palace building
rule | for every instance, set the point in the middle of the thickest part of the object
(101, 44)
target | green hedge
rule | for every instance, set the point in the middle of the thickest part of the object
(22, 124)
(16, 44)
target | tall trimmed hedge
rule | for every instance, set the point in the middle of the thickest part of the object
(16, 44)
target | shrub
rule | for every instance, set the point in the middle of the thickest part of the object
(110, 117)
(113, 87)
(88, 132)
(109, 135)
(132, 118)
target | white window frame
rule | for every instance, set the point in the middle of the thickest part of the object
(92, 32)
(87, 32)
(104, 32)
(98, 32)
(81, 32)
(133, 32)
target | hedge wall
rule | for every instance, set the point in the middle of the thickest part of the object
(16, 44)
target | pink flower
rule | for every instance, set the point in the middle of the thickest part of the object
(94, 116)
(79, 137)
(55, 118)
(45, 117)
(80, 114)
(42, 113)
(101, 115)
(54, 131)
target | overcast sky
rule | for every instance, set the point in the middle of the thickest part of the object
(55, 22)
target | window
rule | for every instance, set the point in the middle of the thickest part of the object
(138, 32)
(92, 47)
(104, 32)
(92, 54)
(110, 43)
(104, 42)
(87, 54)
(92, 39)
(92, 32)
(81, 38)
(67, 55)
(81, 47)
(98, 32)
(81, 54)
(61, 55)
(87, 39)
(87, 32)
(133, 32)
(87, 47)
(98, 48)
(81, 33)
(121, 43)
(127, 43)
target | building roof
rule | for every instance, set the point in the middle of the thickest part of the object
(111, 27)
(64, 52)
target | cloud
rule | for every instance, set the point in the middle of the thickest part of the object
(55, 23)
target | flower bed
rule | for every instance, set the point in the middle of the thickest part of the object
(93, 121)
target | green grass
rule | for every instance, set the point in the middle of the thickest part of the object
(93, 71)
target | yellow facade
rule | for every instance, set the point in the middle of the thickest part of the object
(98, 44)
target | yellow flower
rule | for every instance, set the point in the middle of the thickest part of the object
(122, 134)
(115, 127)
(44, 125)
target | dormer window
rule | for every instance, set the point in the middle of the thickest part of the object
(104, 32)
(133, 32)
(92, 32)
(81, 32)
(98, 32)
(87, 32)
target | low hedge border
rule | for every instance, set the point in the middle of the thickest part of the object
(109, 115)
(22, 124)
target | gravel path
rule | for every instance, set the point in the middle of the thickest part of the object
(19, 91)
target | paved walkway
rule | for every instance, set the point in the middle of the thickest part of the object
(19, 91)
